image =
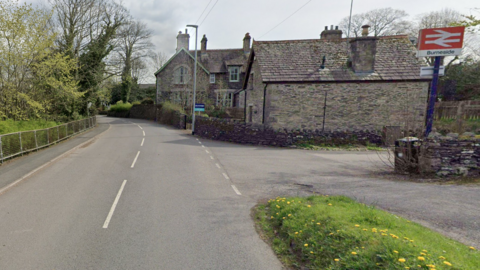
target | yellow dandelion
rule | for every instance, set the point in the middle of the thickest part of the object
(374, 230)
(365, 229)
(301, 231)
(402, 260)
(288, 202)
(337, 260)
(283, 217)
(425, 251)
(318, 223)
(271, 217)
(356, 225)
(420, 258)
(331, 233)
(442, 258)
(423, 254)
(447, 263)
(306, 245)
(329, 204)
(406, 267)
(472, 248)
(296, 232)
(309, 206)
(311, 252)
(411, 241)
(395, 251)
(289, 215)
(313, 220)
(354, 253)
(278, 206)
(277, 214)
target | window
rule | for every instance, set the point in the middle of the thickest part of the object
(234, 77)
(224, 98)
(212, 78)
(181, 75)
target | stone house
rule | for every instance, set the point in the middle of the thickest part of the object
(334, 83)
(219, 74)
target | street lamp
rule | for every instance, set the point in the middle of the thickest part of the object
(194, 77)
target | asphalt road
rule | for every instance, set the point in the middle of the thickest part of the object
(140, 196)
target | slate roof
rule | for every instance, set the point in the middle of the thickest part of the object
(217, 61)
(300, 60)
(175, 55)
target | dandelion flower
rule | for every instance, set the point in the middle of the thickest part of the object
(420, 258)
(423, 254)
(472, 248)
(406, 267)
(354, 253)
(442, 258)
(365, 229)
(402, 260)
(447, 263)
(309, 206)
(311, 252)
(318, 223)
(425, 251)
(283, 217)
(271, 217)
(356, 225)
(296, 232)
(288, 202)
(395, 251)
(306, 245)
(289, 215)
(329, 204)
(337, 260)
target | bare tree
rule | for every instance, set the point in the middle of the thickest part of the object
(133, 44)
(158, 59)
(383, 21)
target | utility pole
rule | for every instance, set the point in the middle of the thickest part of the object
(194, 77)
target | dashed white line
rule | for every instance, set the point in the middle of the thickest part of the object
(236, 190)
(144, 133)
(203, 146)
(200, 142)
(226, 176)
(218, 165)
(135, 160)
(140, 127)
(196, 139)
(211, 157)
(143, 140)
(110, 214)
(207, 151)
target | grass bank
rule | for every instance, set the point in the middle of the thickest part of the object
(343, 147)
(10, 126)
(322, 232)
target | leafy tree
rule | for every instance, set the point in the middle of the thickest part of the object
(35, 79)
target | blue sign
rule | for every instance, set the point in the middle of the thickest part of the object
(199, 107)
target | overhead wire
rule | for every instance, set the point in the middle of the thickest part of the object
(208, 12)
(203, 11)
(285, 19)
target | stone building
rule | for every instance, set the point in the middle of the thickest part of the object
(219, 74)
(334, 83)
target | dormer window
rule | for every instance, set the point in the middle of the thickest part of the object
(234, 74)
(212, 78)
(181, 75)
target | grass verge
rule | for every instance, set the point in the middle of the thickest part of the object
(322, 232)
(10, 126)
(344, 147)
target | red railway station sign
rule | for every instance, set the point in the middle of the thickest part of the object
(444, 41)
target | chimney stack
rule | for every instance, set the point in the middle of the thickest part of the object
(331, 34)
(363, 52)
(183, 40)
(204, 44)
(246, 43)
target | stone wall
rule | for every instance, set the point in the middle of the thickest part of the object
(448, 156)
(143, 112)
(257, 134)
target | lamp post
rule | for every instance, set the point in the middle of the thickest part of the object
(194, 77)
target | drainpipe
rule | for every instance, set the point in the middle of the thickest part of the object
(264, 101)
(245, 106)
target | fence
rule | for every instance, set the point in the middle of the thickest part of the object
(469, 109)
(19, 143)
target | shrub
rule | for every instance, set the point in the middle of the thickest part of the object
(120, 107)
(168, 112)
(147, 101)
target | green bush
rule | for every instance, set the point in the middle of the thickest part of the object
(147, 101)
(10, 126)
(121, 107)
(168, 112)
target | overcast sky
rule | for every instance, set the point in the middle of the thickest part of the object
(229, 20)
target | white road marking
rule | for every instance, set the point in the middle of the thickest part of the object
(203, 146)
(140, 127)
(200, 142)
(226, 176)
(211, 157)
(236, 190)
(218, 166)
(135, 160)
(144, 133)
(196, 139)
(110, 214)
(207, 151)
(143, 140)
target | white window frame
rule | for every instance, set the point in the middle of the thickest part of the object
(212, 78)
(234, 71)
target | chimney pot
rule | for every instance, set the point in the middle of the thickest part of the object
(183, 40)
(331, 27)
(365, 30)
(331, 34)
(336, 27)
(326, 27)
(246, 43)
